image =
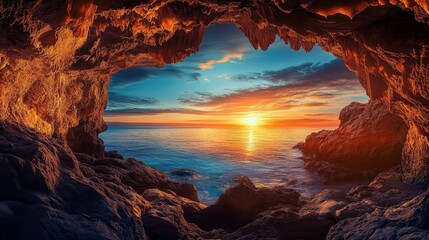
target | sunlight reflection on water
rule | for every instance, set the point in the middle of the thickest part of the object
(218, 155)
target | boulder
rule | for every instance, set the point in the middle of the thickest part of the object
(368, 138)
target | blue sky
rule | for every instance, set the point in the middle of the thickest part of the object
(228, 80)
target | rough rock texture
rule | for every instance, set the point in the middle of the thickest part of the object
(49, 193)
(56, 56)
(369, 137)
(239, 205)
(397, 212)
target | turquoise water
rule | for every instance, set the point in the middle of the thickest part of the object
(213, 156)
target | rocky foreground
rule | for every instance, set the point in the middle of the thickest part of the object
(56, 59)
(48, 192)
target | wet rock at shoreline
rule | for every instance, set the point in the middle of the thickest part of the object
(185, 173)
(241, 203)
(47, 190)
(368, 140)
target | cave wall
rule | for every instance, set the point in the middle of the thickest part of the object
(56, 57)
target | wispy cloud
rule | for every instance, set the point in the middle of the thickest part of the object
(139, 74)
(306, 85)
(214, 44)
(117, 100)
(306, 73)
(226, 58)
(151, 111)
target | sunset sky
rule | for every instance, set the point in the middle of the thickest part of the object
(229, 83)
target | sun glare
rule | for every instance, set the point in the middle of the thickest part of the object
(251, 121)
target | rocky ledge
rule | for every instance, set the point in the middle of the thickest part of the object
(49, 192)
(56, 59)
(368, 140)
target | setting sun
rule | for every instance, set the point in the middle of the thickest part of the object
(251, 121)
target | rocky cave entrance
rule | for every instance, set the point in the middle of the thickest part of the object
(230, 111)
(56, 59)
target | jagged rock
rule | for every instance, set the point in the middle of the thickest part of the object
(56, 58)
(326, 203)
(334, 173)
(369, 137)
(48, 192)
(113, 154)
(407, 220)
(61, 54)
(240, 204)
(385, 190)
(138, 176)
(165, 220)
(44, 194)
(282, 223)
(81, 196)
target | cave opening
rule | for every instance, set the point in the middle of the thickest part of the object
(58, 182)
(230, 111)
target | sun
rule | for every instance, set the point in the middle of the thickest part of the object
(251, 121)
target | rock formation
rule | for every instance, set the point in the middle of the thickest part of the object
(56, 58)
(61, 54)
(368, 138)
(48, 192)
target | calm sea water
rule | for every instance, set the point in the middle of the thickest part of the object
(213, 156)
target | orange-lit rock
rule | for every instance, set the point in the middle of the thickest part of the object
(368, 137)
(56, 58)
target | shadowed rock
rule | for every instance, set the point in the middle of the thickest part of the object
(407, 220)
(47, 192)
(185, 174)
(56, 58)
(240, 204)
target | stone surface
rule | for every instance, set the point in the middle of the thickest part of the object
(48, 192)
(56, 57)
(240, 204)
(407, 220)
(369, 139)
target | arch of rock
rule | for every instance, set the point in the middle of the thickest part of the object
(56, 57)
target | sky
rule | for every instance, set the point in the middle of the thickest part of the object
(230, 83)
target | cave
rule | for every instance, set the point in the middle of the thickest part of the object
(230, 110)
(58, 182)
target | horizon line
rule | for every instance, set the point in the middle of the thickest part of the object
(227, 125)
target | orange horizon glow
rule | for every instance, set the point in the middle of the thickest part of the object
(224, 121)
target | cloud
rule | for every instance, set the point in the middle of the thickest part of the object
(333, 72)
(231, 44)
(139, 74)
(226, 58)
(305, 85)
(129, 76)
(196, 76)
(117, 100)
(150, 111)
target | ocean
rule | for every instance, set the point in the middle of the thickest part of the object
(210, 158)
